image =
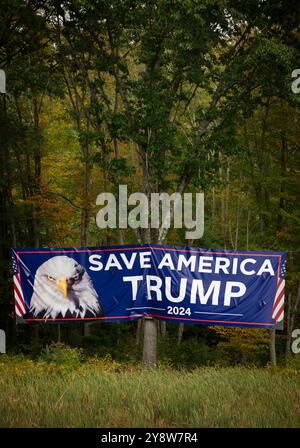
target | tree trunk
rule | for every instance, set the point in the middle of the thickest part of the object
(138, 331)
(213, 210)
(227, 196)
(222, 207)
(85, 214)
(247, 230)
(150, 340)
(283, 169)
(237, 227)
(35, 334)
(163, 328)
(272, 345)
(37, 172)
(180, 333)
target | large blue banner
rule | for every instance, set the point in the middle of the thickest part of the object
(119, 283)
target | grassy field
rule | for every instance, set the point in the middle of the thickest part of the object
(39, 395)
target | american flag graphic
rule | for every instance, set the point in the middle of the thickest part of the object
(278, 306)
(20, 306)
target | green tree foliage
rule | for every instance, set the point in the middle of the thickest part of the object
(162, 96)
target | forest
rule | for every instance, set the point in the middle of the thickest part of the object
(160, 96)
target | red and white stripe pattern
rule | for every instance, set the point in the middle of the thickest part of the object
(20, 306)
(278, 306)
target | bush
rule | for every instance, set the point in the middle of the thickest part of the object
(293, 363)
(65, 358)
(105, 364)
(188, 354)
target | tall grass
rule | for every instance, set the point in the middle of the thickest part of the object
(40, 395)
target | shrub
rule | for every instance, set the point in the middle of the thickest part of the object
(62, 356)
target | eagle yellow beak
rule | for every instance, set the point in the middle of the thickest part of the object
(62, 285)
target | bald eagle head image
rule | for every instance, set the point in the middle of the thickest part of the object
(62, 288)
